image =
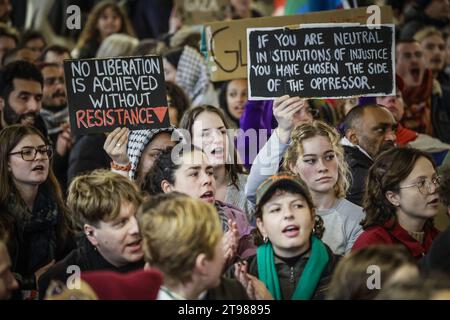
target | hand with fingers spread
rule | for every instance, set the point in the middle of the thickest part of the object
(284, 109)
(256, 289)
(116, 146)
(230, 243)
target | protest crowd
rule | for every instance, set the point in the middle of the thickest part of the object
(139, 162)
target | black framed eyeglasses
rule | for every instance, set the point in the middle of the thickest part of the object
(425, 185)
(29, 153)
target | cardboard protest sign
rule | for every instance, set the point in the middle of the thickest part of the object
(226, 41)
(201, 11)
(321, 61)
(116, 92)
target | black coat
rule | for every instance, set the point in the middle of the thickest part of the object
(34, 242)
(87, 154)
(87, 258)
(359, 165)
(440, 114)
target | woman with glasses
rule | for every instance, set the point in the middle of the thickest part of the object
(400, 202)
(33, 215)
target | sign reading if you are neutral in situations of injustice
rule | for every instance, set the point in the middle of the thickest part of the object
(321, 61)
(116, 92)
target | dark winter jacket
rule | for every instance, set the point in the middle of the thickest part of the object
(359, 165)
(35, 238)
(440, 114)
(88, 154)
(87, 258)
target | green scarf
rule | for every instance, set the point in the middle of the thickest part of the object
(309, 278)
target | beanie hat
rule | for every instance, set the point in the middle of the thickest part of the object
(282, 180)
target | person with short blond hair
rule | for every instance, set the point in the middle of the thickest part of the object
(98, 196)
(105, 204)
(182, 237)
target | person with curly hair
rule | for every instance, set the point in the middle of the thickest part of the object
(316, 156)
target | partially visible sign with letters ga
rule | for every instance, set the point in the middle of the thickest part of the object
(321, 61)
(227, 41)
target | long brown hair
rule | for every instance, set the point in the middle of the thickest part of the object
(187, 122)
(90, 31)
(9, 138)
(390, 168)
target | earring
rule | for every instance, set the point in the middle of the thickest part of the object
(265, 239)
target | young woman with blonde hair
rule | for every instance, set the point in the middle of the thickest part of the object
(315, 155)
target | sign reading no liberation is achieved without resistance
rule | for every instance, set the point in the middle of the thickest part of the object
(321, 61)
(116, 92)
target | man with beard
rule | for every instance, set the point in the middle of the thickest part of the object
(56, 116)
(21, 95)
(426, 100)
(368, 130)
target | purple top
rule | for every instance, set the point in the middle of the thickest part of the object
(258, 115)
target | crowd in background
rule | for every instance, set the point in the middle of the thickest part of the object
(198, 209)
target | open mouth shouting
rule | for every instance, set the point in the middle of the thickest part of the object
(208, 196)
(291, 231)
(135, 246)
(415, 73)
(433, 203)
(38, 168)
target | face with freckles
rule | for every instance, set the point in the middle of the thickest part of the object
(318, 165)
